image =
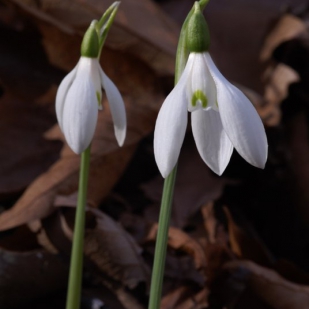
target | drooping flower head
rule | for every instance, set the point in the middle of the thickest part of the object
(79, 96)
(222, 117)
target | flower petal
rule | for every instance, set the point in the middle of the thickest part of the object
(202, 89)
(80, 111)
(96, 80)
(240, 120)
(116, 106)
(171, 127)
(212, 143)
(62, 93)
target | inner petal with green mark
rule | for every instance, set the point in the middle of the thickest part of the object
(199, 97)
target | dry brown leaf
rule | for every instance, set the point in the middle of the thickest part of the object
(24, 152)
(270, 287)
(288, 27)
(279, 78)
(150, 35)
(244, 245)
(210, 221)
(278, 82)
(108, 246)
(127, 300)
(291, 272)
(179, 240)
(216, 247)
(179, 299)
(62, 177)
(115, 252)
(25, 76)
(172, 298)
(196, 301)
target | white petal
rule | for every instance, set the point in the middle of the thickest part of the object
(240, 120)
(171, 127)
(116, 106)
(201, 81)
(80, 110)
(62, 93)
(212, 143)
(96, 79)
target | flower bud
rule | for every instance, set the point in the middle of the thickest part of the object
(90, 43)
(198, 38)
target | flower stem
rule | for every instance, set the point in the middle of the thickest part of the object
(161, 243)
(76, 265)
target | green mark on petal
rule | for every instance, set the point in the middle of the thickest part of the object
(199, 95)
(99, 98)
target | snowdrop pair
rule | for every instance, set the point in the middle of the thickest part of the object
(79, 98)
(222, 117)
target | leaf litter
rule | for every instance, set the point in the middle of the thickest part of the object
(239, 241)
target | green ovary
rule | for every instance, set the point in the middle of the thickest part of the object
(199, 95)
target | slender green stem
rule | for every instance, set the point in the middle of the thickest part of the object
(161, 243)
(76, 266)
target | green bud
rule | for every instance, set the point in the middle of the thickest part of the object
(90, 43)
(198, 38)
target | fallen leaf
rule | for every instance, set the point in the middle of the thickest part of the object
(180, 240)
(179, 299)
(62, 178)
(210, 221)
(245, 245)
(107, 245)
(151, 37)
(292, 272)
(270, 287)
(25, 153)
(287, 27)
(115, 252)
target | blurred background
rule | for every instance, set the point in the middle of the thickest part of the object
(236, 241)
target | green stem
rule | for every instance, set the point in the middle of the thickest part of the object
(76, 265)
(161, 242)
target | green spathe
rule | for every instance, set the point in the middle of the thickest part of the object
(90, 44)
(199, 95)
(197, 35)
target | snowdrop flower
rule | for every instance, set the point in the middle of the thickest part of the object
(222, 117)
(79, 98)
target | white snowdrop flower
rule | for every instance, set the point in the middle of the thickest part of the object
(79, 98)
(222, 118)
